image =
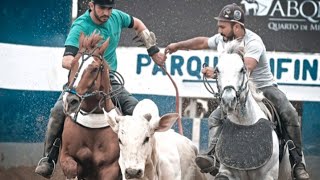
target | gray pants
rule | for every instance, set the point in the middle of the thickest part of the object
(288, 116)
(125, 101)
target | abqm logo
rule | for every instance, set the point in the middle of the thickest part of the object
(285, 10)
(257, 7)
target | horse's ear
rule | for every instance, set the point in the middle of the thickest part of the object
(81, 38)
(104, 46)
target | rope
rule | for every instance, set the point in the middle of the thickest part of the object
(177, 100)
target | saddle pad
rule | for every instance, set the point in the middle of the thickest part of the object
(245, 147)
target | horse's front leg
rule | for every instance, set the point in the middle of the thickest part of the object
(69, 166)
(110, 173)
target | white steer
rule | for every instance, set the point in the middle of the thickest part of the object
(149, 149)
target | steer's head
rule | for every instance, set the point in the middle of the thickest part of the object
(136, 139)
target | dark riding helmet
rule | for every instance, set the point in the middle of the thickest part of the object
(232, 13)
(104, 3)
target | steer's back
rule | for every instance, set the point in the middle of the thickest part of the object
(180, 151)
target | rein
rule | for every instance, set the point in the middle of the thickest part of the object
(208, 86)
(177, 100)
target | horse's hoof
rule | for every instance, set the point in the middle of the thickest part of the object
(45, 168)
(300, 172)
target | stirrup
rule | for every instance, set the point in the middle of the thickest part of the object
(209, 169)
(47, 158)
(292, 147)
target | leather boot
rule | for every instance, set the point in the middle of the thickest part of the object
(206, 161)
(299, 169)
(46, 164)
(300, 173)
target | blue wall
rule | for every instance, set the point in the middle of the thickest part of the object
(24, 116)
(311, 128)
(34, 22)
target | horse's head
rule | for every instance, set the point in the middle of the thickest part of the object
(88, 80)
(232, 77)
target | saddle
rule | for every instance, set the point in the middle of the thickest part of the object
(245, 147)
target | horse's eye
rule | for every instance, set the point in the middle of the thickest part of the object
(146, 140)
(120, 142)
(243, 70)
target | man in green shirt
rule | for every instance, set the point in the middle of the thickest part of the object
(109, 22)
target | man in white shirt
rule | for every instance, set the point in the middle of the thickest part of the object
(231, 26)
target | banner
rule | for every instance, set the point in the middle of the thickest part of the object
(39, 68)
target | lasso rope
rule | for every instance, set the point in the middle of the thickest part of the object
(177, 100)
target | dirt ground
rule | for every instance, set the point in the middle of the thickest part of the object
(27, 173)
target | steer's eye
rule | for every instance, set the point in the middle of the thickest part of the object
(120, 142)
(146, 140)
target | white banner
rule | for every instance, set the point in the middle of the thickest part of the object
(297, 74)
(39, 68)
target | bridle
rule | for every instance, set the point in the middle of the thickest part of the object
(104, 96)
(243, 86)
(72, 90)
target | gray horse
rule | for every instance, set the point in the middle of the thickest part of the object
(248, 147)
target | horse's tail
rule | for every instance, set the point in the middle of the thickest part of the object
(258, 97)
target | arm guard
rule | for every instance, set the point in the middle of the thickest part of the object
(149, 40)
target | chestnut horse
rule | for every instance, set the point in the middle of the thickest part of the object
(90, 148)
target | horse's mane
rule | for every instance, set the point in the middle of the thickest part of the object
(258, 97)
(234, 47)
(90, 42)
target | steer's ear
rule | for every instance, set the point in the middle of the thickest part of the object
(112, 118)
(165, 122)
